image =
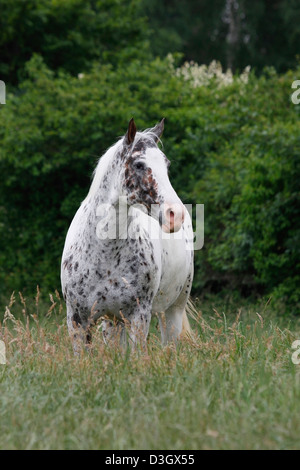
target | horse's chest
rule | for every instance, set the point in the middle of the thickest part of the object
(175, 268)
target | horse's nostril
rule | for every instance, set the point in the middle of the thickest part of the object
(173, 216)
(170, 213)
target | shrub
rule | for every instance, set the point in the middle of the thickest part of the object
(234, 146)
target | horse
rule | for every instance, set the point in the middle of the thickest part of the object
(128, 252)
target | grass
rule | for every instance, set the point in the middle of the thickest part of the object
(232, 386)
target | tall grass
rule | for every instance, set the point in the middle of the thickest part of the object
(232, 385)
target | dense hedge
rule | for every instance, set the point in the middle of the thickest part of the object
(234, 146)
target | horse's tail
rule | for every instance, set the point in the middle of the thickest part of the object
(189, 311)
(186, 327)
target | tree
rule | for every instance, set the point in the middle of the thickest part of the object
(69, 34)
(235, 32)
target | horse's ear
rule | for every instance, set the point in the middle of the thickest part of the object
(159, 128)
(130, 134)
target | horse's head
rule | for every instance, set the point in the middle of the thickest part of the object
(145, 177)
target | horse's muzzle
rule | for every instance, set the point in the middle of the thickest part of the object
(171, 217)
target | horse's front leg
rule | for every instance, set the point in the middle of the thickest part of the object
(139, 327)
(131, 331)
(79, 330)
(114, 333)
(174, 322)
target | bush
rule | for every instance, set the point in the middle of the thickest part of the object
(251, 191)
(234, 146)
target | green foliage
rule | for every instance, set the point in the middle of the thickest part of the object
(234, 147)
(251, 189)
(69, 34)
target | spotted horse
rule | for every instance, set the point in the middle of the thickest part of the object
(128, 253)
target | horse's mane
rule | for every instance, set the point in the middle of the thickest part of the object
(108, 156)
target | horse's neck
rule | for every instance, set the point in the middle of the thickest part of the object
(107, 191)
(107, 206)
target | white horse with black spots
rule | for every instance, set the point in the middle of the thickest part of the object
(129, 250)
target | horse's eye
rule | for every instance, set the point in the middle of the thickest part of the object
(140, 166)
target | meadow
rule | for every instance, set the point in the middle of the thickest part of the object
(232, 385)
